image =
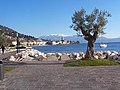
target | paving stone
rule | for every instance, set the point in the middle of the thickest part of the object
(57, 77)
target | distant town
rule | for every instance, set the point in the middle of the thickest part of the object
(10, 37)
(43, 42)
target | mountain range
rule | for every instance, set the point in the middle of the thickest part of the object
(76, 38)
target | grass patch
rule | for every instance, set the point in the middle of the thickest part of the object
(8, 68)
(88, 62)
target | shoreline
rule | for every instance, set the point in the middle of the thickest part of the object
(35, 55)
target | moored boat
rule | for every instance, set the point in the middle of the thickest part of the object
(103, 45)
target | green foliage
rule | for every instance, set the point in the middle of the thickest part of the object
(88, 25)
(4, 41)
(88, 62)
(8, 68)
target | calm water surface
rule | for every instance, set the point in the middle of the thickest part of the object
(71, 48)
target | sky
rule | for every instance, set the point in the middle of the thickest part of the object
(44, 17)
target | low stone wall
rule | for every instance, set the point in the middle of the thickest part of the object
(32, 55)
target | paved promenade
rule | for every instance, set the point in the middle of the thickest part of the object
(56, 77)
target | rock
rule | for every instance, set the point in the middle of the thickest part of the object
(79, 58)
(71, 56)
(74, 56)
(12, 58)
(25, 55)
(119, 58)
(110, 57)
(29, 59)
(115, 57)
(40, 58)
(51, 58)
(108, 52)
(82, 55)
(119, 54)
(102, 57)
(50, 54)
(40, 53)
(95, 56)
(58, 55)
(36, 55)
(112, 54)
(99, 54)
(115, 52)
(32, 54)
(65, 57)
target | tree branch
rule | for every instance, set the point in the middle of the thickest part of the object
(83, 31)
(95, 35)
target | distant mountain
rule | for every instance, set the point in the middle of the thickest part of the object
(76, 38)
(54, 36)
(61, 36)
(115, 39)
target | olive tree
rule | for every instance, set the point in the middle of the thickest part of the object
(90, 26)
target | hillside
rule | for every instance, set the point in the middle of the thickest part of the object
(12, 34)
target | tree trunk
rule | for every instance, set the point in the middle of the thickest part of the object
(90, 49)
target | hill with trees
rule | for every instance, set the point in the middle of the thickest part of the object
(7, 35)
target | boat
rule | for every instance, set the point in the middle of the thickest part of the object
(23, 47)
(103, 45)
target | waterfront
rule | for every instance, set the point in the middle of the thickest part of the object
(71, 48)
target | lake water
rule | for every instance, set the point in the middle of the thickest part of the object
(71, 48)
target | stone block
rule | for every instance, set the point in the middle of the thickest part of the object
(65, 57)
(40, 58)
(12, 58)
(51, 58)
